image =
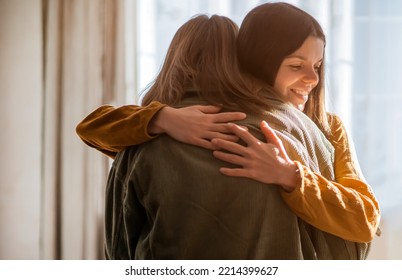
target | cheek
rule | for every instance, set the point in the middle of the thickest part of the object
(280, 86)
(283, 79)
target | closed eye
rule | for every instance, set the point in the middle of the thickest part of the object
(295, 67)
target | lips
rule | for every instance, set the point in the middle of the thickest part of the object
(301, 94)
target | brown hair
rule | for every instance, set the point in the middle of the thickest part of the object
(203, 57)
(271, 32)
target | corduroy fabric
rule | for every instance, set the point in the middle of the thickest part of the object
(167, 200)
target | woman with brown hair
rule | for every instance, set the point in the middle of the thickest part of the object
(281, 47)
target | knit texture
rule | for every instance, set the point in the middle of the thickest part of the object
(302, 139)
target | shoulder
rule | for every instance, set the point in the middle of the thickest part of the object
(124, 161)
(334, 121)
(338, 129)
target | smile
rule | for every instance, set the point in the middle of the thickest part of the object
(301, 93)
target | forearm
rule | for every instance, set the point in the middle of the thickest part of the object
(346, 208)
(160, 123)
(110, 130)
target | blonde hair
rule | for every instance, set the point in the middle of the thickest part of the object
(202, 57)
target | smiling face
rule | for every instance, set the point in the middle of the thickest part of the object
(298, 73)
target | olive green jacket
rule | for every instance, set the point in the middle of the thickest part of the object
(168, 200)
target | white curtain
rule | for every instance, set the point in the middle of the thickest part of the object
(83, 68)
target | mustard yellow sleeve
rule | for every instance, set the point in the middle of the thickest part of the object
(110, 130)
(347, 207)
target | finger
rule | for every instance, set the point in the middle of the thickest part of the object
(232, 147)
(205, 144)
(223, 136)
(229, 117)
(269, 133)
(230, 158)
(223, 128)
(208, 109)
(234, 172)
(271, 137)
(243, 134)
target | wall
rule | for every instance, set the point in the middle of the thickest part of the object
(20, 128)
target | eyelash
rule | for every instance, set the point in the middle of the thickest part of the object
(297, 67)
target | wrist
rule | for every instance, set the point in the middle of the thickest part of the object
(291, 177)
(157, 124)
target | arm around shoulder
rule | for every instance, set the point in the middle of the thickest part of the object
(110, 129)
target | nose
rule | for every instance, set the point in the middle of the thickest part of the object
(311, 76)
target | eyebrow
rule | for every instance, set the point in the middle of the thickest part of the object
(302, 58)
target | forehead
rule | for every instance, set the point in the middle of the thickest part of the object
(311, 49)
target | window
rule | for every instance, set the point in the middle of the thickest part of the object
(363, 77)
(377, 96)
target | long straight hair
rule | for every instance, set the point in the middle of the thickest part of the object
(202, 57)
(271, 32)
